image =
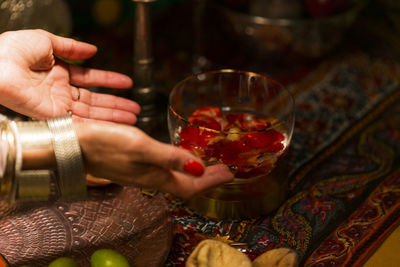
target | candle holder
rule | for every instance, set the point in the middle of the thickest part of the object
(153, 104)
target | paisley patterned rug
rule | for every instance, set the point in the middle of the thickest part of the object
(344, 165)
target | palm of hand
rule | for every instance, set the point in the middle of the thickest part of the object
(42, 94)
(35, 83)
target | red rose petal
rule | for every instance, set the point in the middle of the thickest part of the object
(263, 139)
(189, 133)
(242, 151)
(211, 112)
(274, 148)
(205, 122)
(231, 151)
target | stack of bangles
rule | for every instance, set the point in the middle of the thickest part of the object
(29, 148)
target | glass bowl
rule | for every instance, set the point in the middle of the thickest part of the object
(241, 119)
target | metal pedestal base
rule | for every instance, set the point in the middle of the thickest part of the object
(243, 200)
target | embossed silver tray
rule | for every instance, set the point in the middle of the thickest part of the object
(121, 218)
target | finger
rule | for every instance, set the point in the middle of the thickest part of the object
(186, 186)
(92, 77)
(70, 48)
(108, 101)
(172, 158)
(105, 114)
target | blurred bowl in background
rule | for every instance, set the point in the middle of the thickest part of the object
(391, 4)
(392, 9)
(305, 37)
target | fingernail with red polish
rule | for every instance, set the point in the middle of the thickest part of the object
(193, 167)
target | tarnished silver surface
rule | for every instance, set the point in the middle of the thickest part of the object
(114, 217)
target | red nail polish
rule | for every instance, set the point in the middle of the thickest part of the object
(193, 167)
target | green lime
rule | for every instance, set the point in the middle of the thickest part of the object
(63, 262)
(108, 258)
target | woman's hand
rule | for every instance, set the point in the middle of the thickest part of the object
(35, 83)
(127, 156)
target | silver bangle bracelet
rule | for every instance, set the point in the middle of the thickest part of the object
(31, 136)
(7, 182)
(18, 184)
(70, 170)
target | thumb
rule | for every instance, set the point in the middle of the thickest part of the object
(171, 157)
(71, 49)
(184, 186)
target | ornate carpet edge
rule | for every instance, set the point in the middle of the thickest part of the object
(350, 244)
(353, 130)
(384, 232)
